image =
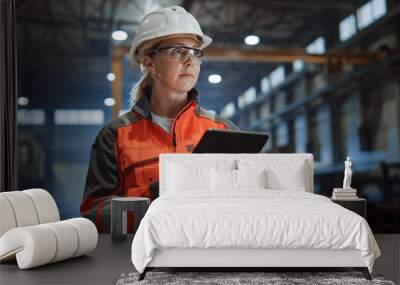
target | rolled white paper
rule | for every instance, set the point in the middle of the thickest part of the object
(31, 232)
(87, 234)
(67, 240)
(45, 205)
(23, 207)
(7, 218)
(33, 246)
(40, 244)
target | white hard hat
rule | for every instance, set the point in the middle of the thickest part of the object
(172, 20)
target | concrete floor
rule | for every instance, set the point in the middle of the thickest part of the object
(102, 266)
(389, 262)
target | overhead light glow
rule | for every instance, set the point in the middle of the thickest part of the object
(214, 78)
(252, 40)
(111, 76)
(23, 101)
(109, 102)
(119, 35)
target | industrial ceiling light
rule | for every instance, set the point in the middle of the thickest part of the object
(214, 78)
(252, 40)
(23, 101)
(109, 102)
(119, 35)
(111, 76)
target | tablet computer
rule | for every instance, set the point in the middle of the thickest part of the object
(230, 141)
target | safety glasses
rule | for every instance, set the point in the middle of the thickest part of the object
(179, 53)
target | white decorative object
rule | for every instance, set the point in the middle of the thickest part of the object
(22, 207)
(45, 206)
(46, 243)
(7, 218)
(26, 208)
(31, 231)
(347, 192)
(348, 172)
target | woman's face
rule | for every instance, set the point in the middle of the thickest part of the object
(168, 71)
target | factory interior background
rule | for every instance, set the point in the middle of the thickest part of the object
(320, 77)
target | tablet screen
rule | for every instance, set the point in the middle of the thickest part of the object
(230, 141)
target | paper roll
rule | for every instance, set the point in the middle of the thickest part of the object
(67, 239)
(87, 234)
(33, 246)
(23, 207)
(7, 218)
(45, 205)
(40, 244)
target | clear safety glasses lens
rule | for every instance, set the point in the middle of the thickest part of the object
(181, 53)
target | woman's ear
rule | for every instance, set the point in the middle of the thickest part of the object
(148, 64)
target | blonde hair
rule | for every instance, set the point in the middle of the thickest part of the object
(146, 80)
(137, 89)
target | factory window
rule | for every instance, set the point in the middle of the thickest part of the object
(347, 28)
(79, 117)
(379, 8)
(324, 134)
(370, 12)
(277, 76)
(265, 84)
(317, 46)
(265, 111)
(228, 110)
(247, 97)
(282, 136)
(300, 129)
(31, 117)
(241, 102)
(350, 121)
(250, 95)
(365, 15)
(298, 65)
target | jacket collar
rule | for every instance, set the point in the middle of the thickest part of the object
(142, 106)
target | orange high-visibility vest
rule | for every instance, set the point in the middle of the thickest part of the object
(124, 155)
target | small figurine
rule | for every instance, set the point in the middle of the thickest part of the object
(347, 174)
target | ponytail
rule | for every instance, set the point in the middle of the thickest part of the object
(145, 81)
(137, 89)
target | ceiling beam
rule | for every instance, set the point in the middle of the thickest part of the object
(288, 55)
(295, 5)
(281, 55)
(71, 21)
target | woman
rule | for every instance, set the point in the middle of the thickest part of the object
(165, 115)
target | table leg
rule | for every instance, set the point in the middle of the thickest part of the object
(116, 222)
